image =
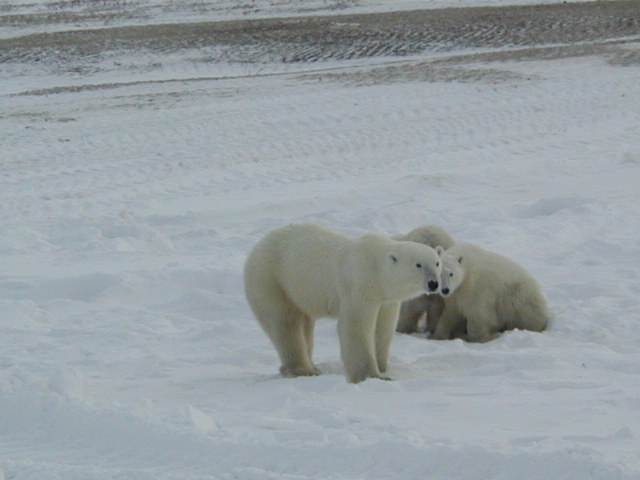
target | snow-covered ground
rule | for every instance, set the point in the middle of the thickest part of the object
(127, 349)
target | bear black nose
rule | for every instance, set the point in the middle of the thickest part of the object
(445, 291)
(433, 285)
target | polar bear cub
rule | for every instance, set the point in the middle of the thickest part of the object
(412, 310)
(490, 293)
(301, 272)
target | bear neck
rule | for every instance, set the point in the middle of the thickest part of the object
(375, 248)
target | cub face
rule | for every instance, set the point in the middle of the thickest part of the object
(452, 274)
(414, 269)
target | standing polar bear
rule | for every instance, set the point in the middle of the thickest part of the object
(412, 310)
(301, 272)
(490, 293)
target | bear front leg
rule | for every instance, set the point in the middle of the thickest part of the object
(356, 329)
(434, 307)
(446, 324)
(410, 313)
(385, 328)
(482, 327)
(308, 327)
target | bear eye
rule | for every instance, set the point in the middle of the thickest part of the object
(418, 265)
(451, 274)
(437, 264)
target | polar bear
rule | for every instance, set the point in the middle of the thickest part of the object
(412, 310)
(489, 292)
(301, 272)
(431, 235)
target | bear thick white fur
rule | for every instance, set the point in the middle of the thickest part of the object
(489, 293)
(412, 310)
(301, 272)
(431, 235)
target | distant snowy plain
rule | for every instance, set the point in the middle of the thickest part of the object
(127, 349)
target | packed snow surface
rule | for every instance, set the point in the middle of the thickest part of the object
(132, 191)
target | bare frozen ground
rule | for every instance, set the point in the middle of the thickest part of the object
(23, 16)
(265, 45)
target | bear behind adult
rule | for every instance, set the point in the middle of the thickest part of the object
(432, 235)
(301, 272)
(488, 292)
(414, 309)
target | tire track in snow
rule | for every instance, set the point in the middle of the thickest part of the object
(150, 163)
(316, 39)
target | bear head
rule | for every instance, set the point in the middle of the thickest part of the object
(452, 274)
(411, 269)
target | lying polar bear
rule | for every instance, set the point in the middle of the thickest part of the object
(486, 293)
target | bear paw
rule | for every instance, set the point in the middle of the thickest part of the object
(291, 372)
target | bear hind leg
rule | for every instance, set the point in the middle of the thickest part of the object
(291, 333)
(293, 339)
(533, 315)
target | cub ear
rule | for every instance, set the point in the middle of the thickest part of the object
(439, 250)
(393, 258)
(460, 259)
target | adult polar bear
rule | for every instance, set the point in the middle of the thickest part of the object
(301, 272)
(488, 292)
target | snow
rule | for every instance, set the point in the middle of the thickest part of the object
(127, 349)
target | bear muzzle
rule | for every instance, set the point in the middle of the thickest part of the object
(433, 285)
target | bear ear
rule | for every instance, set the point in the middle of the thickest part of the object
(439, 250)
(393, 258)
(460, 259)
